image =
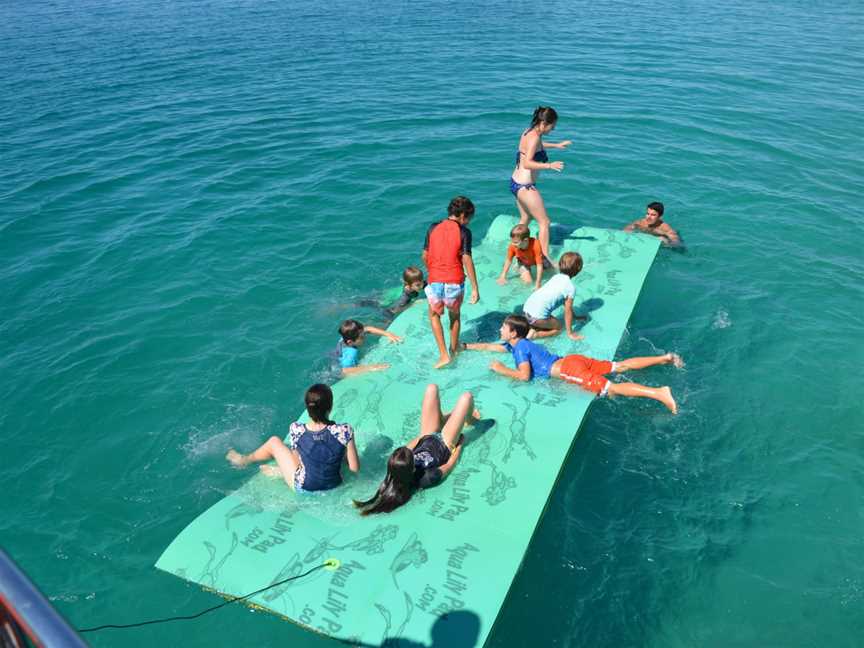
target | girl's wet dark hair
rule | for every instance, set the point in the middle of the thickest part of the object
(319, 402)
(397, 486)
(545, 114)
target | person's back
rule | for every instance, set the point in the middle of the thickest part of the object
(322, 451)
(543, 301)
(446, 243)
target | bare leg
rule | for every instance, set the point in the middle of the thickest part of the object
(548, 327)
(456, 419)
(524, 216)
(649, 361)
(438, 332)
(635, 390)
(431, 418)
(524, 275)
(532, 202)
(455, 327)
(274, 448)
(540, 333)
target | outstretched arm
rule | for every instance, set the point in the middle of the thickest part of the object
(483, 346)
(632, 226)
(558, 145)
(361, 369)
(528, 157)
(523, 372)
(374, 330)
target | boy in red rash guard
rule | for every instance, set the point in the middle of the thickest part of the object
(447, 255)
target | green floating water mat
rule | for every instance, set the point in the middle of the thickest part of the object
(440, 567)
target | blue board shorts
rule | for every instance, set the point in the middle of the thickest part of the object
(441, 295)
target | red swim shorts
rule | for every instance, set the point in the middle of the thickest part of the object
(586, 372)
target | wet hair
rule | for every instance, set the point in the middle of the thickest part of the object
(460, 205)
(319, 402)
(397, 487)
(350, 330)
(656, 206)
(412, 274)
(518, 324)
(545, 115)
(570, 263)
(521, 232)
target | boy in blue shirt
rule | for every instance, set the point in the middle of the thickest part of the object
(536, 361)
(353, 336)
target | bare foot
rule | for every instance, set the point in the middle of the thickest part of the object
(237, 460)
(667, 400)
(270, 471)
(443, 361)
(675, 360)
(474, 418)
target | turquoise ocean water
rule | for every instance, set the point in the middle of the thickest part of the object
(193, 194)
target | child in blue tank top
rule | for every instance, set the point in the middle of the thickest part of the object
(318, 448)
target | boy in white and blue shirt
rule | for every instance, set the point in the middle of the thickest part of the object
(558, 290)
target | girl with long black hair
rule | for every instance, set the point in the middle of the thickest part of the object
(428, 458)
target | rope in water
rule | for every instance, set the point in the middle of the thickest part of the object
(331, 563)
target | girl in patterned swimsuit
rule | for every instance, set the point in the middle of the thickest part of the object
(318, 448)
(530, 159)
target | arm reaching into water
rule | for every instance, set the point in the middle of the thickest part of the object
(374, 330)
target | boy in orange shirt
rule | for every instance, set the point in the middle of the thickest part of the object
(528, 253)
(447, 255)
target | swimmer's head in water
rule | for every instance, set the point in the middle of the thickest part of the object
(519, 236)
(654, 213)
(570, 263)
(412, 278)
(352, 332)
(462, 208)
(545, 117)
(514, 325)
(319, 402)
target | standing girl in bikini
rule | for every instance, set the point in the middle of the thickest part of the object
(530, 159)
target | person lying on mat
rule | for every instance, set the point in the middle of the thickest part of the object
(428, 458)
(536, 361)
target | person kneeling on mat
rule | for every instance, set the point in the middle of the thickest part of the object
(536, 361)
(428, 458)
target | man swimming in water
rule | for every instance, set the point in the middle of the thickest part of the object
(654, 224)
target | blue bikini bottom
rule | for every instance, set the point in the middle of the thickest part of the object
(515, 186)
